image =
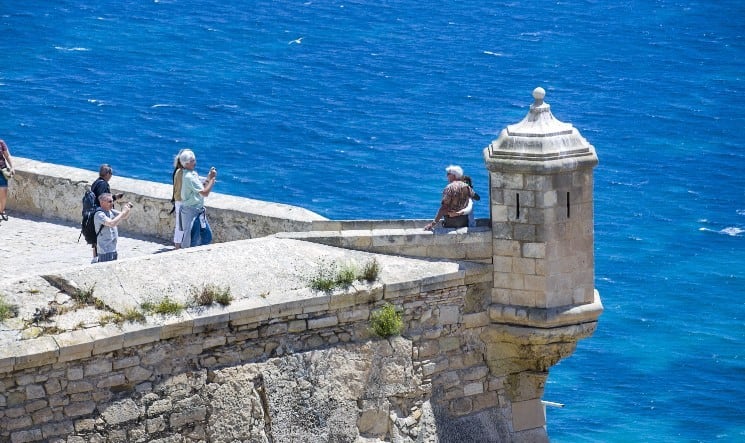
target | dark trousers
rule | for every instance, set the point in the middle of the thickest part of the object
(460, 221)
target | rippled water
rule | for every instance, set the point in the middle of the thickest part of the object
(353, 109)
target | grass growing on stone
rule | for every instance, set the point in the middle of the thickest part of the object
(329, 276)
(7, 310)
(386, 321)
(371, 271)
(346, 275)
(85, 296)
(165, 306)
(130, 315)
(210, 293)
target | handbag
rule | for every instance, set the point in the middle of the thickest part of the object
(7, 173)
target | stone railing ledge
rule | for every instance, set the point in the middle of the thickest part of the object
(136, 334)
(443, 280)
(74, 345)
(32, 353)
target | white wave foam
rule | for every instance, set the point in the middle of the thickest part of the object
(732, 230)
(75, 48)
(740, 212)
(495, 54)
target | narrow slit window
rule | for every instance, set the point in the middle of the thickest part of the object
(517, 201)
(568, 206)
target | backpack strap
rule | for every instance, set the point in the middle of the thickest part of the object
(94, 219)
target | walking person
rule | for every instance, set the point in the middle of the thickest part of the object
(6, 166)
(177, 179)
(193, 192)
(106, 221)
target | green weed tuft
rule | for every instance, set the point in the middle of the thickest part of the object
(7, 310)
(329, 276)
(165, 306)
(84, 296)
(210, 293)
(371, 271)
(387, 321)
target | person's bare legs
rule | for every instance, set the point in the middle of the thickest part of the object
(3, 199)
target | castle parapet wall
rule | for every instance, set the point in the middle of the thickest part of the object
(55, 192)
(274, 352)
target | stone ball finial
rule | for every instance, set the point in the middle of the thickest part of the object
(539, 93)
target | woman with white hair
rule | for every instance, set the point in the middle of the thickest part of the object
(193, 192)
(456, 197)
(176, 178)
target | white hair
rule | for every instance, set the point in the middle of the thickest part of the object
(177, 159)
(457, 171)
(186, 156)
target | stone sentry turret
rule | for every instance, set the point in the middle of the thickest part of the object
(543, 298)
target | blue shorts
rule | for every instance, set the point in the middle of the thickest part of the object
(3, 181)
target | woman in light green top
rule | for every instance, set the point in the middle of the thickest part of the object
(193, 192)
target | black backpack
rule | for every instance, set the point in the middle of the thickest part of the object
(87, 225)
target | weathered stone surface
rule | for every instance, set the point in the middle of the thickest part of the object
(121, 412)
(237, 411)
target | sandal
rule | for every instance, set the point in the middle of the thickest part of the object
(4, 215)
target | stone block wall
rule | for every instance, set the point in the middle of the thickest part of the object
(288, 372)
(543, 238)
(55, 192)
(472, 244)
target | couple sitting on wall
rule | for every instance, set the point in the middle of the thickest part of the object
(457, 201)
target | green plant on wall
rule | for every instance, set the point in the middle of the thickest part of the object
(210, 293)
(387, 321)
(329, 276)
(84, 296)
(370, 271)
(7, 310)
(165, 306)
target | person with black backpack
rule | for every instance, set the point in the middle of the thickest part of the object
(90, 204)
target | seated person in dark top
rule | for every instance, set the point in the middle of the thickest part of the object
(455, 197)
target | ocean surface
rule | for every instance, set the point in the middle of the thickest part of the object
(353, 109)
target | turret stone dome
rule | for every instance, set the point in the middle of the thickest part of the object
(539, 141)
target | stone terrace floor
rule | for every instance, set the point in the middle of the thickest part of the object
(32, 246)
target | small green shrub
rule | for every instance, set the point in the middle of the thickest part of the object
(84, 296)
(210, 293)
(346, 274)
(133, 315)
(324, 278)
(110, 318)
(165, 306)
(387, 321)
(370, 271)
(329, 276)
(7, 310)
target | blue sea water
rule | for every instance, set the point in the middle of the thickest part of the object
(353, 108)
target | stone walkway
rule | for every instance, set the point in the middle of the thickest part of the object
(32, 246)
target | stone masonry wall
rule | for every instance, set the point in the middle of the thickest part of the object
(312, 372)
(55, 192)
